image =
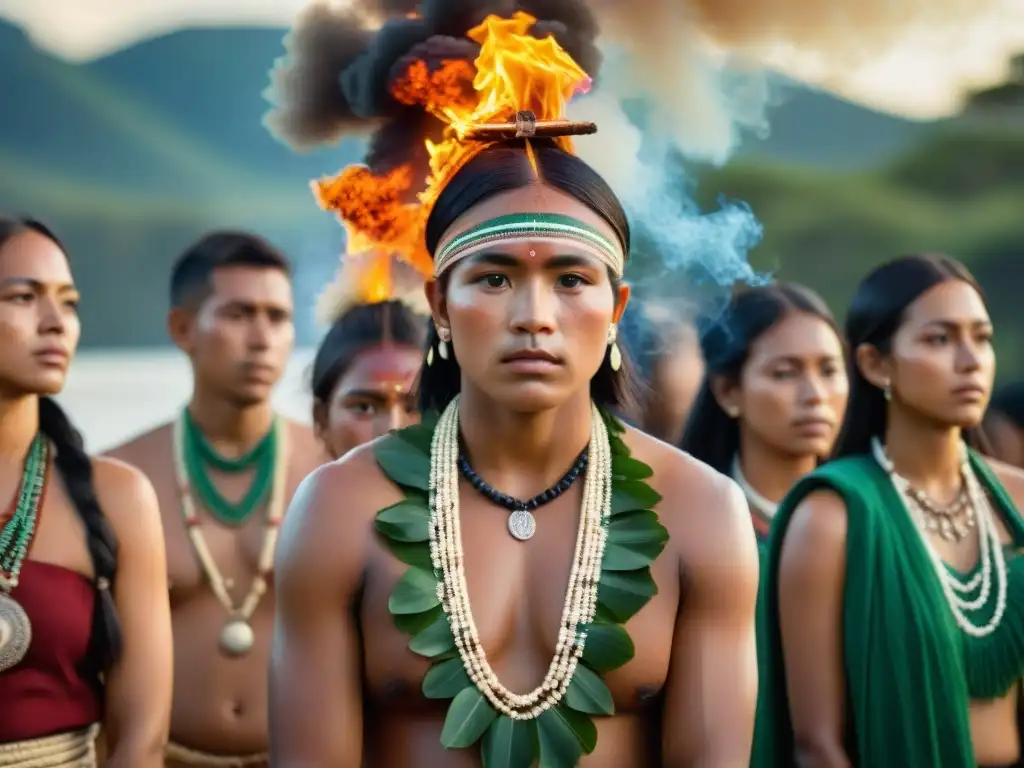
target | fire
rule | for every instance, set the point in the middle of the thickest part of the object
(513, 71)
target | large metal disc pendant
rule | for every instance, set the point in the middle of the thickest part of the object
(15, 633)
(522, 524)
(237, 638)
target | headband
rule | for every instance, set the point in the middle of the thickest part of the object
(533, 226)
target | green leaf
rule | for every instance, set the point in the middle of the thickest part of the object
(633, 496)
(615, 427)
(435, 640)
(563, 736)
(623, 593)
(510, 743)
(608, 646)
(445, 680)
(588, 693)
(419, 436)
(405, 521)
(469, 715)
(627, 468)
(416, 555)
(415, 592)
(635, 539)
(413, 623)
(402, 463)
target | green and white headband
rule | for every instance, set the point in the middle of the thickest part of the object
(534, 226)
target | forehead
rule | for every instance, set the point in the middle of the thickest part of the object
(798, 335)
(382, 365)
(33, 256)
(535, 198)
(250, 285)
(952, 301)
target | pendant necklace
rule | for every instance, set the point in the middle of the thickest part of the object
(15, 540)
(521, 522)
(237, 637)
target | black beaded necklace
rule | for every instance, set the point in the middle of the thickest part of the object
(521, 522)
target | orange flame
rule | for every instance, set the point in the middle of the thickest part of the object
(514, 71)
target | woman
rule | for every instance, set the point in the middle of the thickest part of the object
(774, 394)
(893, 586)
(363, 374)
(476, 512)
(84, 618)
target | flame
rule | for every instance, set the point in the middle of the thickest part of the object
(513, 71)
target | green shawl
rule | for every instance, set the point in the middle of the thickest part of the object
(910, 670)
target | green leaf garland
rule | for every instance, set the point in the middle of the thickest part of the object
(562, 734)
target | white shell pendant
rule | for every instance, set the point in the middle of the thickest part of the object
(237, 638)
(15, 633)
(522, 525)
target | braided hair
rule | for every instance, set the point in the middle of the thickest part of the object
(75, 468)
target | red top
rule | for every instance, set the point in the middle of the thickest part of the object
(49, 692)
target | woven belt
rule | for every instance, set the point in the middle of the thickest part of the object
(186, 756)
(74, 749)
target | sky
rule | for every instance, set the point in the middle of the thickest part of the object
(917, 80)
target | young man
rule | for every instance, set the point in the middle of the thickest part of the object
(224, 472)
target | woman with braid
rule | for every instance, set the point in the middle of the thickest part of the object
(894, 585)
(504, 583)
(85, 637)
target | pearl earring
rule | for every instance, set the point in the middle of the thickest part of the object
(614, 354)
(442, 345)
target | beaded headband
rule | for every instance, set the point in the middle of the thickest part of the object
(535, 226)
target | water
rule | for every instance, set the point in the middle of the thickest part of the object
(113, 395)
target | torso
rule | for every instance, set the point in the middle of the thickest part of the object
(517, 590)
(220, 703)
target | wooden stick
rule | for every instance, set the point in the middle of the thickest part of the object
(541, 129)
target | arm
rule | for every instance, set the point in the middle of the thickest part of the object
(138, 703)
(316, 704)
(812, 575)
(712, 688)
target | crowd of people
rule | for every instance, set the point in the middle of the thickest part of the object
(535, 523)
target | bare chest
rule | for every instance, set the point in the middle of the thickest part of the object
(517, 596)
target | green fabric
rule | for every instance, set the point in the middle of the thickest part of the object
(905, 658)
(761, 720)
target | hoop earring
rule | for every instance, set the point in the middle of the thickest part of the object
(444, 336)
(614, 354)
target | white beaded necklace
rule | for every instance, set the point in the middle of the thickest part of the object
(581, 595)
(989, 544)
(756, 500)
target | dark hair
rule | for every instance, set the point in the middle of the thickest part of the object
(502, 168)
(711, 435)
(876, 314)
(75, 468)
(192, 272)
(363, 326)
(1008, 400)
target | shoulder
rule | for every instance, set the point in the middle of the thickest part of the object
(1010, 477)
(143, 450)
(696, 499)
(127, 499)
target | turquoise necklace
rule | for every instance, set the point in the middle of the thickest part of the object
(200, 456)
(15, 540)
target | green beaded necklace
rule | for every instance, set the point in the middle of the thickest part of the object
(200, 455)
(20, 527)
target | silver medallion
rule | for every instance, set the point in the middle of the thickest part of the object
(522, 524)
(15, 633)
(237, 638)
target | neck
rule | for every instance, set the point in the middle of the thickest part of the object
(926, 454)
(231, 428)
(19, 423)
(523, 453)
(771, 473)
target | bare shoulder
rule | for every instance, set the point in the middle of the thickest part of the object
(126, 496)
(144, 451)
(693, 494)
(1012, 479)
(816, 535)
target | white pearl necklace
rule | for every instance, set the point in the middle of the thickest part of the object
(756, 500)
(581, 595)
(989, 544)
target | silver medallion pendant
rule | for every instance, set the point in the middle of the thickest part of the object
(15, 633)
(521, 524)
(237, 638)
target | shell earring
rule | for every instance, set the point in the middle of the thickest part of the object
(442, 345)
(887, 391)
(614, 355)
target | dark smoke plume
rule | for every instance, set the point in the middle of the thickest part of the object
(336, 76)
